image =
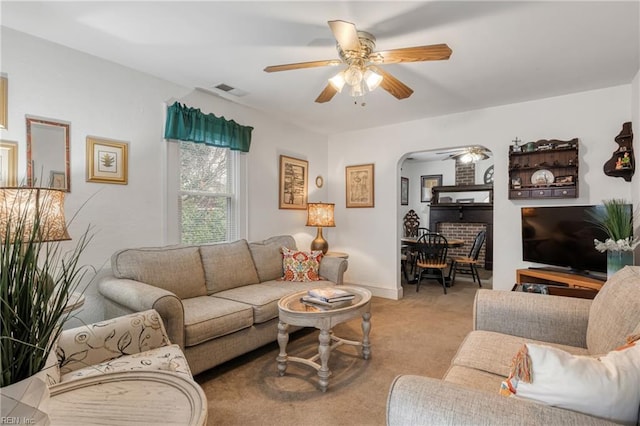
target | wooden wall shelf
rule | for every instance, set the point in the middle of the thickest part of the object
(622, 163)
(544, 169)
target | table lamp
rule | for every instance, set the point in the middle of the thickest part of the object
(320, 215)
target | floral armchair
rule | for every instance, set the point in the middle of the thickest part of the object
(137, 341)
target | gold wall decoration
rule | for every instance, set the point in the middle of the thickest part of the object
(4, 101)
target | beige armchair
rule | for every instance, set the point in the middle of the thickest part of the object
(128, 343)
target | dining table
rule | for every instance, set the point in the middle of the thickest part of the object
(413, 241)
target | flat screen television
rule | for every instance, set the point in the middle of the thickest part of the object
(563, 237)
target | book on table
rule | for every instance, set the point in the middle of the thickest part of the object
(323, 305)
(331, 294)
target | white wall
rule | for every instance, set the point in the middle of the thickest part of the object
(104, 99)
(372, 235)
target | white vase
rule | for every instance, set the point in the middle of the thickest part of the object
(25, 402)
(618, 259)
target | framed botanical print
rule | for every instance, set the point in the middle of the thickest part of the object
(8, 163)
(293, 183)
(360, 185)
(404, 191)
(107, 161)
(427, 183)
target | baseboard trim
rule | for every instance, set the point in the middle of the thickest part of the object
(387, 293)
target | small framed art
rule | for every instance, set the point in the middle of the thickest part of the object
(107, 161)
(8, 163)
(427, 182)
(360, 185)
(293, 183)
(404, 191)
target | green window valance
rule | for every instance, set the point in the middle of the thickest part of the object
(190, 124)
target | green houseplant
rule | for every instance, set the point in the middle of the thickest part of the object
(616, 219)
(37, 278)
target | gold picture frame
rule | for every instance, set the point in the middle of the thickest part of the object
(107, 161)
(293, 183)
(4, 101)
(360, 186)
(8, 163)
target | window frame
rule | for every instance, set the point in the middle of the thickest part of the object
(237, 197)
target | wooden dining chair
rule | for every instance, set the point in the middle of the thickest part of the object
(432, 258)
(410, 226)
(469, 264)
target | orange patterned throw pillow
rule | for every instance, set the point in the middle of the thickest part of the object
(301, 266)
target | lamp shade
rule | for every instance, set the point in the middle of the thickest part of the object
(22, 208)
(320, 214)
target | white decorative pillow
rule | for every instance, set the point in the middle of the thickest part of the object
(607, 387)
(302, 266)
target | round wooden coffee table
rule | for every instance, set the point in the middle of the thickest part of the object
(293, 312)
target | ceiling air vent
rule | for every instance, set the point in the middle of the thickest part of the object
(231, 90)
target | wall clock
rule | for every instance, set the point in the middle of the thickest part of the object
(488, 175)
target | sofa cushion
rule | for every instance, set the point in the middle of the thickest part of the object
(208, 317)
(493, 352)
(302, 266)
(177, 269)
(264, 297)
(615, 311)
(267, 256)
(605, 387)
(227, 265)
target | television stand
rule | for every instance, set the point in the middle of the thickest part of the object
(540, 276)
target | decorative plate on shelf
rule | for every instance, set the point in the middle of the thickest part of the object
(542, 177)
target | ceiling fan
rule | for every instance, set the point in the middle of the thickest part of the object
(362, 73)
(470, 154)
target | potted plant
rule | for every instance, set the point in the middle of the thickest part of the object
(37, 278)
(616, 219)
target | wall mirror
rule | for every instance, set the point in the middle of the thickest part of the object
(48, 154)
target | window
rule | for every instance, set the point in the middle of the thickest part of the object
(207, 197)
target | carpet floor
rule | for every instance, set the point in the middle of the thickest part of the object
(416, 335)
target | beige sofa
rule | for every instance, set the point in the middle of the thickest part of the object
(503, 322)
(217, 301)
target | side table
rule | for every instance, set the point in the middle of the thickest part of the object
(293, 312)
(337, 254)
(129, 398)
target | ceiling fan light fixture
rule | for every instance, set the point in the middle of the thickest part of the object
(372, 78)
(473, 156)
(337, 81)
(357, 90)
(353, 75)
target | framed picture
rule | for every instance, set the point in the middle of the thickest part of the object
(8, 163)
(404, 191)
(57, 180)
(293, 183)
(360, 185)
(107, 161)
(427, 182)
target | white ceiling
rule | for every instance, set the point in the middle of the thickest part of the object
(503, 51)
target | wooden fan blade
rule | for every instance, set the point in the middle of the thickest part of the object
(393, 85)
(327, 94)
(346, 34)
(299, 65)
(434, 52)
